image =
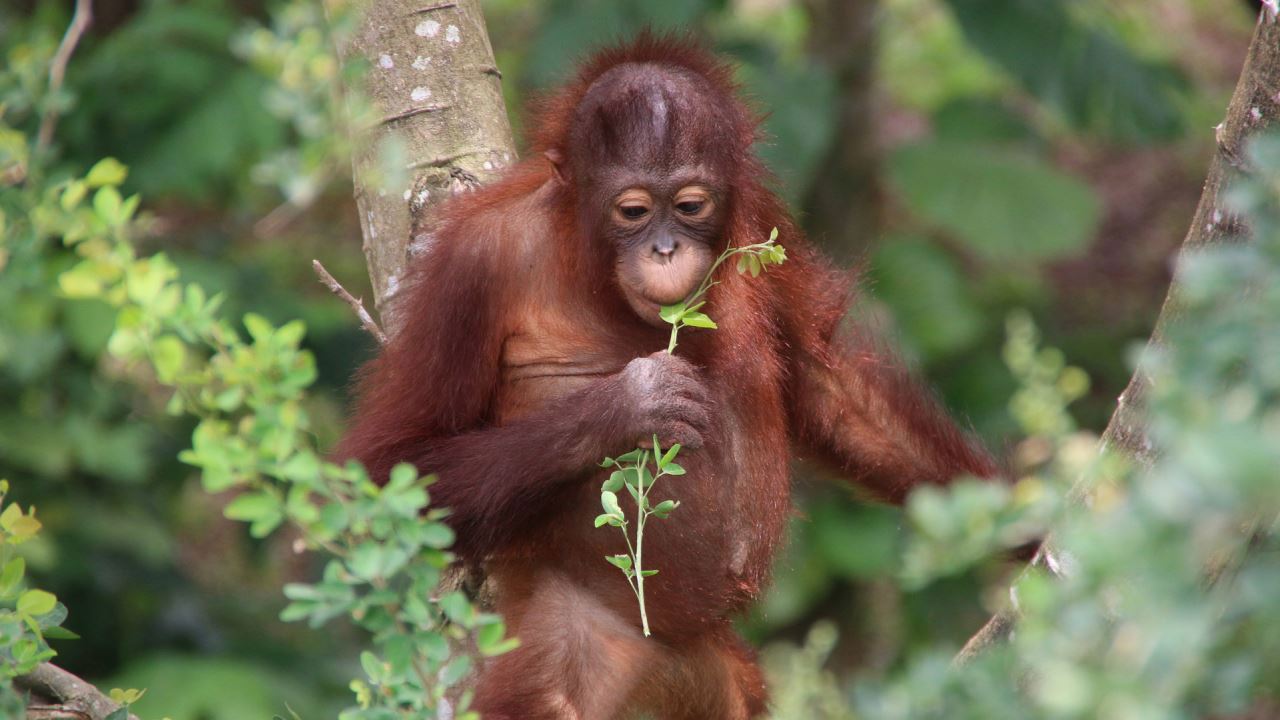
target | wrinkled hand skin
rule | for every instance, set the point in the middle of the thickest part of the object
(669, 400)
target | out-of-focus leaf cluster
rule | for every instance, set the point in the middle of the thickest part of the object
(1161, 603)
(254, 438)
(29, 617)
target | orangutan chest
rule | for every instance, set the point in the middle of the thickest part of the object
(549, 358)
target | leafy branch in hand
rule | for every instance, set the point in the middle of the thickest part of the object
(633, 474)
(633, 467)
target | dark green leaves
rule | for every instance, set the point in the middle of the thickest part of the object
(1004, 206)
(1081, 71)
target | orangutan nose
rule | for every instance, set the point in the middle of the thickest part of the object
(665, 246)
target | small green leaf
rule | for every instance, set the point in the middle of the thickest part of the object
(75, 192)
(107, 171)
(648, 573)
(402, 476)
(673, 469)
(609, 501)
(606, 519)
(11, 576)
(672, 313)
(455, 670)
(622, 562)
(251, 506)
(664, 508)
(456, 606)
(125, 696)
(259, 328)
(372, 665)
(490, 641)
(106, 204)
(437, 535)
(614, 483)
(669, 456)
(697, 319)
(773, 234)
(36, 602)
(631, 457)
(168, 354)
(59, 633)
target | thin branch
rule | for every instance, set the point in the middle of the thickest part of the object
(64, 695)
(80, 21)
(433, 8)
(366, 320)
(438, 161)
(411, 112)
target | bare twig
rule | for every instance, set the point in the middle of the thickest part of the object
(411, 112)
(80, 21)
(433, 8)
(57, 693)
(366, 320)
(438, 162)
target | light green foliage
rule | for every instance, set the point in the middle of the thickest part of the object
(29, 617)
(802, 687)
(1163, 603)
(633, 467)
(297, 54)
(964, 524)
(254, 438)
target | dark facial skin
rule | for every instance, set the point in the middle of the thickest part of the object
(665, 232)
(649, 163)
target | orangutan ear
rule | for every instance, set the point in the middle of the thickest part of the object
(556, 159)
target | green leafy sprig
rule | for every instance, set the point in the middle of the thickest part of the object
(632, 469)
(29, 617)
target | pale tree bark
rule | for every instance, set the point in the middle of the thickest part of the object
(440, 126)
(1255, 105)
(437, 94)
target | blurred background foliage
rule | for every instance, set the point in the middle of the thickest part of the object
(970, 157)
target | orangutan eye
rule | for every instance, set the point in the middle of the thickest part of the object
(693, 201)
(634, 212)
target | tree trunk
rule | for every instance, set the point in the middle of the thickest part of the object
(441, 126)
(843, 204)
(1255, 104)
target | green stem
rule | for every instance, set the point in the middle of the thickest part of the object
(696, 296)
(644, 616)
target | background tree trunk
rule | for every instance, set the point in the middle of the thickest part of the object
(1255, 104)
(441, 126)
(844, 201)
